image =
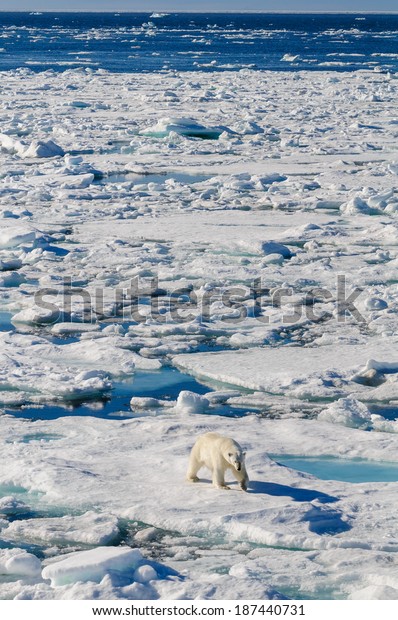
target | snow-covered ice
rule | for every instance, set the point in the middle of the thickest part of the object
(93, 565)
(242, 236)
(189, 402)
(182, 126)
(124, 467)
(19, 563)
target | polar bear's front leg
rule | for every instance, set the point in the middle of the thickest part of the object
(218, 479)
(241, 477)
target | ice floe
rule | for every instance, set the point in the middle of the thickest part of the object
(37, 148)
(20, 563)
(89, 528)
(92, 565)
(222, 229)
(323, 518)
(184, 127)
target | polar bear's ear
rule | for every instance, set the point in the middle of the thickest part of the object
(244, 453)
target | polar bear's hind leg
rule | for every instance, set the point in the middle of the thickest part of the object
(193, 468)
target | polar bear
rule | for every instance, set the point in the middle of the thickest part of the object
(218, 453)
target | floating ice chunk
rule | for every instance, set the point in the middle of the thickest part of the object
(73, 160)
(33, 256)
(240, 182)
(145, 573)
(37, 316)
(272, 248)
(384, 426)
(79, 104)
(348, 412)
(10, 263)
(39, 148)
(13, 279)
(391, 367)
(290, 57)
(268, 179)
(93, 565)
(273, 259)
(380, 201)
(108, 353)
(369, 377)
(114, 328)
(78, 181)
(392, 207)
(266, 248)
(299, 371)
(23, 564)
(169, 94)
(72, 328)
(10, 144)
(221, 396)
(357, 205)
(190, 402)
(9, 505)
(183, 127)
(90, 528)
(142, 402)
(19, 562)
(291, 142)
(149, 534)
(28, 366)
(248, 128)
(16, 236)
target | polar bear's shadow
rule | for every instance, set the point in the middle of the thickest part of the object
(232, 485)
(321, 519)
(297, 495)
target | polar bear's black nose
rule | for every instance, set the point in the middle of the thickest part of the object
(238, 466)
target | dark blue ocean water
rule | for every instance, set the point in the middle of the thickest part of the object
(134, 42)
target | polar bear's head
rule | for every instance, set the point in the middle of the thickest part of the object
(235, 457)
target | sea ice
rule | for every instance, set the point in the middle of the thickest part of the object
(89, 528)
(277, 197)
(16, 236)
(10, 505)
(19, 562)
(93, 565)
(349, 412)
(310, 372)
(144, 574)
(189, 402)
(85, 462)
(24, 375)
(40, 148)
(36, 316)
(183, 127)
(37, 148)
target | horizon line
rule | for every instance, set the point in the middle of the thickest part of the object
(211, 11)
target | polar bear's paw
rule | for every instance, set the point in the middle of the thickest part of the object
(193, 479)
(224, 487)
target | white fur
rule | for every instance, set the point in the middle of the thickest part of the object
(218, 454)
